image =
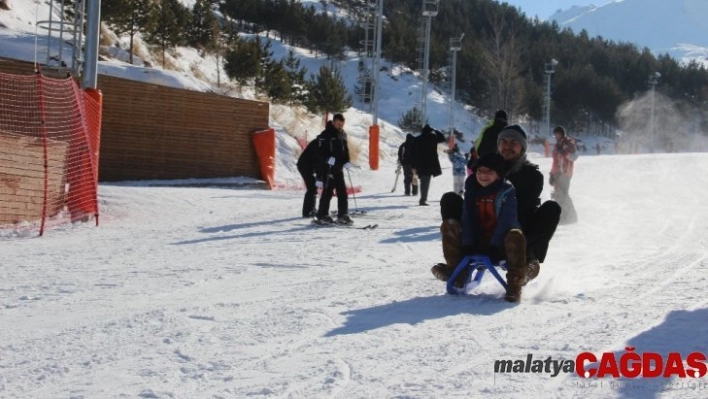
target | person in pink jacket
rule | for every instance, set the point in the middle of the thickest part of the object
(564, 157)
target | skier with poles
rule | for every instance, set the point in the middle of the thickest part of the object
(333, 157)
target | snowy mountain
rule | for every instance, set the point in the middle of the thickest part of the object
(676, 27)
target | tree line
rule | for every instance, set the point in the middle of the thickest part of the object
(501, 64)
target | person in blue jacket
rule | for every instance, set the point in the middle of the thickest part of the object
(489, 224)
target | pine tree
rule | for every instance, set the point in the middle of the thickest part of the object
(170, 19)
(204, 29)
(264, 60)
(277, 83)
(128, 16)
(328, 93)
(242, 62)
(411, 120)
(296, 75)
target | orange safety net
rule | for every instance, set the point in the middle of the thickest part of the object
(49, 144)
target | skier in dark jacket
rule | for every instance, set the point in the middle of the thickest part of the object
(307, 166)
(426, 163)
(405, 158)
(486, 142)
(333, 157)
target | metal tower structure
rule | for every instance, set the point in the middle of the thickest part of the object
(377, 62)
(64, 36)
(368, 48)
(67, 49)
(430, 10)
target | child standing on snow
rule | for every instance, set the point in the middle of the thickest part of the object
(459, 168)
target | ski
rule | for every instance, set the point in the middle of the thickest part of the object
(354, 213)
(317, 223)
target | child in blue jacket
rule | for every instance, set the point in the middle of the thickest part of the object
(490, 225)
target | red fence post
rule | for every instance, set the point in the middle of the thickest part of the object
(264, 142)
(374, 147)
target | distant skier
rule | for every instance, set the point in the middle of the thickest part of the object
(459, 166)
(333, 157)
(564, 156)
(426, 163)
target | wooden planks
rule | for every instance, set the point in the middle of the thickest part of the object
(22, 177)
(156, 132)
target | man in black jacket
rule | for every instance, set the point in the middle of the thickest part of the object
(426, 163)
(333, 157)
(538, 221)
(405, 158)
(307, 166)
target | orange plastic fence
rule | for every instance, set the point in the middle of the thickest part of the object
(49, 136)
(374, 147)
(264, 142)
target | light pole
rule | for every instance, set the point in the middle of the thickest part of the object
(653, 80)
(430, 9)
(549, 69)
(374, 131)
(455, 46)
(377, 62)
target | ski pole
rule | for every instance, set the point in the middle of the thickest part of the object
(353, 195)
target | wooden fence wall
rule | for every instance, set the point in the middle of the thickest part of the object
(156, 132)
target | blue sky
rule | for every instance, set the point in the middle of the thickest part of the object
(545, 8)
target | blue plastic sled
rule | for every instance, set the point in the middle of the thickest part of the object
(477, 265)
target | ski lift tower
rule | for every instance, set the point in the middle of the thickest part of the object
(455, 46)
(549, 69)
(67, 51)
(366, 71)
(64, 36)
(430, 10)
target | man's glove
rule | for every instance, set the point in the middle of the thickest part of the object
(495, 254)
(331, 161)
(319, 184)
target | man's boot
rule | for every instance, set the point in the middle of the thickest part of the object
(533, 267)
(515, 250)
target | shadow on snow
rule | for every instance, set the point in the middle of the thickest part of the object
(417, 310)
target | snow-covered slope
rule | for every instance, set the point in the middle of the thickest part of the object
(216, 293)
